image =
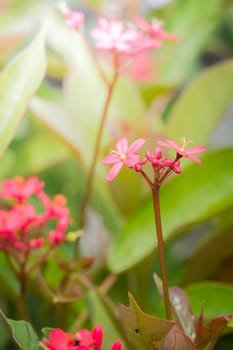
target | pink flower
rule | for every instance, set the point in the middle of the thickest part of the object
(154, 30)
(181, 152)
(141, 68)
(97, 334)
(74, 19)
(114, 37)
(18, 188)
(123, 155)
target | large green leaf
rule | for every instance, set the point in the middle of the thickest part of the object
(193, 22)
(199, 109)
(18, 82)
(215, 298)
(199, 193)
(22, 333)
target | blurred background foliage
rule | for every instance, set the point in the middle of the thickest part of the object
(50, 104)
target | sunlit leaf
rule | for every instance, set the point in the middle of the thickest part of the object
(18, 82)
(198, 110)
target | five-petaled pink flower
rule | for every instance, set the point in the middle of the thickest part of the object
(123, 155)
(180, 150)
(155, 29)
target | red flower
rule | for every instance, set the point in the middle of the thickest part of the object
(18, 188)
(180, 150)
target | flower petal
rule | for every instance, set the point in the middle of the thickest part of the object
(136, 145)
(122, 146)
(113, 172)
(197, 149)
(131, 160)
(111, 159)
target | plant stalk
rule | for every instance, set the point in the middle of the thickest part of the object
(91, 174)
(158, 225)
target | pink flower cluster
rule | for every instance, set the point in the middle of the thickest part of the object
(21, 227)
(81, 340)
(125, 155)
(118, 38)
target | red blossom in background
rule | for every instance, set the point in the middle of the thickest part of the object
(123, 155)
(22, 228)
(20, 189)
(81, 340)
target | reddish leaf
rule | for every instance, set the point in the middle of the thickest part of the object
(180, 306)
(143, 331)
(207, 335)
(176, 340)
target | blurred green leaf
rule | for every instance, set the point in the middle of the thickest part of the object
(23, 333)
(142, 330)
(213, 250)
(199, 109)
(18, 82)
(199, 193)
(103, 313)
(214, 297)
(193, 22)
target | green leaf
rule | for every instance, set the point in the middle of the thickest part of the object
(193, 22)
(101, 312)
(214, 297)
(199, 193)
(18, 82)
(215, 248)
(22, 333)
(199, 109)
(143, 331)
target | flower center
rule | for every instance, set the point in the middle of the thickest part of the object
(122, 157)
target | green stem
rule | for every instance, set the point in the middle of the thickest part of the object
(91, 174)
(159, 233)
(22, 296)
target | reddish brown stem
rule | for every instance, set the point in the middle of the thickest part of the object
(159, 233)
(97, 147)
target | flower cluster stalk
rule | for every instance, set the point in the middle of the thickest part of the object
(160, 241)
(91, 173)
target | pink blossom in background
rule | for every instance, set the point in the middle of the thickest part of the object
(154, 30)
(73, 18)
(123, 155)
(142, 67)
(188, 153)
(20, 189)
(113, 36)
